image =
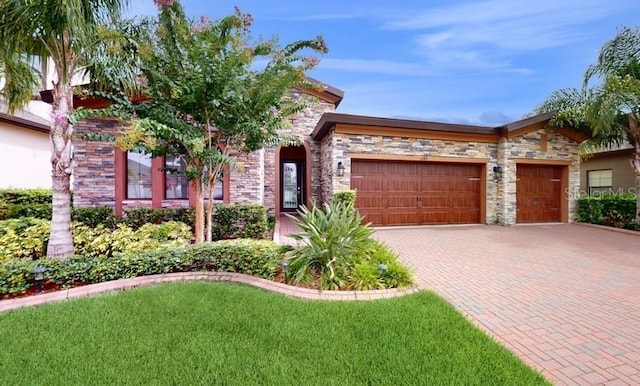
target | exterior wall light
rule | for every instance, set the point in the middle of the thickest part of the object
(497, 170)
(340, 169)
(38, 275)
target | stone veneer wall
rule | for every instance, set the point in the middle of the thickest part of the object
(328, 166)
(301, 126)
(528, 146)
(501, 191)
(94, 172)
(246, 181)
(345, 146)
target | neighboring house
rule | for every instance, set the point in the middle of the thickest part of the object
(25, 150)
(608, 171)
(406, 172)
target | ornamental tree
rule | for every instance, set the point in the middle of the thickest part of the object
(208, 96)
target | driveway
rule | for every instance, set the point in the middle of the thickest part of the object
(565, 298)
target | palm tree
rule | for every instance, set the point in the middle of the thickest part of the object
(67, 32)
(609, 110)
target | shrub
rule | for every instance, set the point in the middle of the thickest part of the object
(26, 196)
(611, 210)
(137, 217)
(27, 238)
(24, 238)
(347, 197)
(239, 221)
(254, 257)
(336, 250)
(92, 217)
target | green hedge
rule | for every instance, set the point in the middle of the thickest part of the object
(239, 221)
(611, 210)
(15, 203)
(26, 196)
(253, 257)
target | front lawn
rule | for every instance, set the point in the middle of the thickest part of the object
(220, 333)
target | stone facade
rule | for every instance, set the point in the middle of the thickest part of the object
(94, 174)
(255, 179)
(500, 187)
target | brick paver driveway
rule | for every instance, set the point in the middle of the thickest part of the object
(565, 298)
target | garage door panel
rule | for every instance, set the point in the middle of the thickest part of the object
(417, 193)
(538, 193)
(402, 217)
(402, 201)
(369, 201)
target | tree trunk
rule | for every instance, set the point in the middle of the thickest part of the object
(60, 238)
(199, 208)
(635, 163)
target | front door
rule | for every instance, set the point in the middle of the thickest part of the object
(292, 188)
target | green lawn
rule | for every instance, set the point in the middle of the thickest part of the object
(218, 333)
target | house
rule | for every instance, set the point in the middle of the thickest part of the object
(608, 171)
(24, 141)
(406, 172)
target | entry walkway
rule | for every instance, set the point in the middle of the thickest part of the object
(565, 298)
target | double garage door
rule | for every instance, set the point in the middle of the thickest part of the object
(413, 193)
(410, 193)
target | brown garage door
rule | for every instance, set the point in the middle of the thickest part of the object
(538, 193)
(409, 193)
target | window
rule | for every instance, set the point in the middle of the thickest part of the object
(599, 181)
(218, 193)
(138, 176)
(176, 183)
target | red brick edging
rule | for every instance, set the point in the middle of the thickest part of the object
(608, 228)
(125, 284)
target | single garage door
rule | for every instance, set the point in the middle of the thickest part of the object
(538, 193)
(411, 193)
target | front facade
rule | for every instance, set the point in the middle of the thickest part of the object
(405, 172)
(412, 172)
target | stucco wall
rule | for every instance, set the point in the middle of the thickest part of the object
(26, 157)
(622, 173)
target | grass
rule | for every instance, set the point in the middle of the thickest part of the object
(218, 333)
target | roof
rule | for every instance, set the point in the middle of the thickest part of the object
(325, 92)
(24, 118)
(329, 120)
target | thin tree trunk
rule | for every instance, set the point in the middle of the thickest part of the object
(635, 163)
(199, 208)
(209, 217)
(60, 238)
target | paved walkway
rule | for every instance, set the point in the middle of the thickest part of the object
(565, 298)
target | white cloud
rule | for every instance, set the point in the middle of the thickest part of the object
(377, 66)
(490, 34)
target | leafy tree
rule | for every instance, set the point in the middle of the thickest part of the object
(610, 109)
(206, 99)
(66, 32)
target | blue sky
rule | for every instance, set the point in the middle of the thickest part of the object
(478, 62)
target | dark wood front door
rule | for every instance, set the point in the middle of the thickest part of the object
(538, 193)
(292, 185)
(411, 193)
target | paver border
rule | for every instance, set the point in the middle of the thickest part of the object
(608, 228)
(126, 284)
